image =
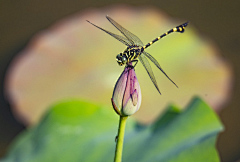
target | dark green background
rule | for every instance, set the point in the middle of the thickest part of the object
(217, 19)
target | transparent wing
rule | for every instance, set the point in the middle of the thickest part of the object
(118, 37)
(130, 36)
(157, 64)
(147, 66)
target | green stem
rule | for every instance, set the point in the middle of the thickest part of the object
(120, 137)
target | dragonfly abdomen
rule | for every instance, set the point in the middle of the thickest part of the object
(179, 28)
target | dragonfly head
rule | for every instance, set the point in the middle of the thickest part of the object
(121, 59)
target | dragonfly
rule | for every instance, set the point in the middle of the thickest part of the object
(136, 49)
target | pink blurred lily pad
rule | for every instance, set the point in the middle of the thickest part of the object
(73, 59)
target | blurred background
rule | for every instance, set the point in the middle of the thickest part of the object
(49, 30)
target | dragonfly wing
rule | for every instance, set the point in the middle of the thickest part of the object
(147, 66)
(130, 36)
(158, 65)
(118, 37)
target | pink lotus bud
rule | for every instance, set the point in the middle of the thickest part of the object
(126, 98)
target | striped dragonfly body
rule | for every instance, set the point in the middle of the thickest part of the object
(136, 49)
(129, 55)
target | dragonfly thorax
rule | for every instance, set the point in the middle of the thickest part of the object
(128, 55)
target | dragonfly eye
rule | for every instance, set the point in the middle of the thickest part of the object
(119, 59)
(124, 60)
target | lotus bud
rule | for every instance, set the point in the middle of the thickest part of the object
(126, 98)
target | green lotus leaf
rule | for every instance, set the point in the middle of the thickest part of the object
(81, 131)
